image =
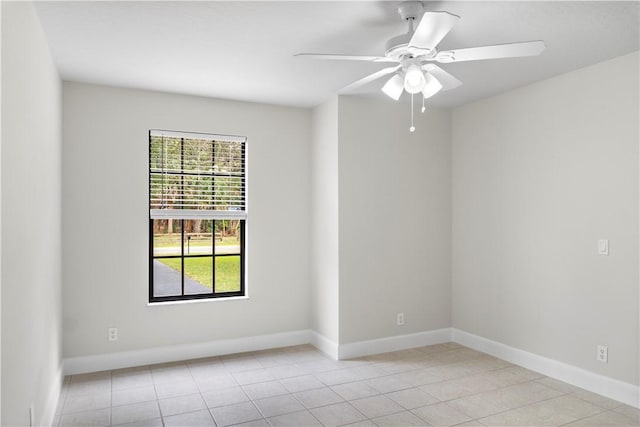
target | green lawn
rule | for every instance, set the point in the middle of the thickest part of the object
(199, 269)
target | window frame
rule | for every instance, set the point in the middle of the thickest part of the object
(242, 253)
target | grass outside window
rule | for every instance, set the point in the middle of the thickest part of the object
(199, 269)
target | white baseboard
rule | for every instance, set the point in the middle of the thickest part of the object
(609, 387)
(49, 411)
(325, 345)
(127, 359)
(394, 343)
(605, 386)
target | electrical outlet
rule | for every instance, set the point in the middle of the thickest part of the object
(113, 334)
(603, 353)
(400, 319)
(603, 246)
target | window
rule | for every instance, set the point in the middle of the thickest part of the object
(197, 214)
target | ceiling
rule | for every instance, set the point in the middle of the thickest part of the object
(244, 50)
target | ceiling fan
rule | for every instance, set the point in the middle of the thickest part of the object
(415, 52)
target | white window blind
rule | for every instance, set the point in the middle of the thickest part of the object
(194, 175)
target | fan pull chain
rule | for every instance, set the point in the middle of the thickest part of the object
(423, 108)
(412, 128)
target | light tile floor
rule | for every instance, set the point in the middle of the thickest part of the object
(438, 385)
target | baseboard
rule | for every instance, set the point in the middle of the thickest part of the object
(609, 387)
(49, 411)
(394, 343)
(127, 359)
(325, 345)
(605, 386)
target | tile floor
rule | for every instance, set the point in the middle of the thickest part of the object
(438, 385)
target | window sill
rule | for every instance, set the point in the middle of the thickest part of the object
(199, 300)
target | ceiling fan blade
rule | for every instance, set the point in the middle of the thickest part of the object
(340, 57)
(433, 27)
(368, 79)
(510, 50)
(446, 79)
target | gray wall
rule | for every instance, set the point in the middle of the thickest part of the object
(105, 220)
(31, 239)
(0, 225)
(395, 219)
(324, 220)
(539, 175)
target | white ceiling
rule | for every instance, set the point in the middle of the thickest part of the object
(244, 50)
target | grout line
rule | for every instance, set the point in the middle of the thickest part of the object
(535, 403)
(588, 416)
(155, 390)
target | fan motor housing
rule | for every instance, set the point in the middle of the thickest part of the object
(396, 47)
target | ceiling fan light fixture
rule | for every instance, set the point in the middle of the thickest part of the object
(393, 87)
(414, 79)
(431, 86)
(415, 52)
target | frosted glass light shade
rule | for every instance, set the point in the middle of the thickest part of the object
(431, 86)
(393, 87)
(414, 80)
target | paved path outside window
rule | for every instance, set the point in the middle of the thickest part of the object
(167, 282)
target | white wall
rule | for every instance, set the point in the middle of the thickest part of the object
(31, 212)
(395, 219)
(105, 220)
(324, 220)
(0, 220)
(539, 175)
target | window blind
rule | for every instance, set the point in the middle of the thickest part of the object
(195, 175)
